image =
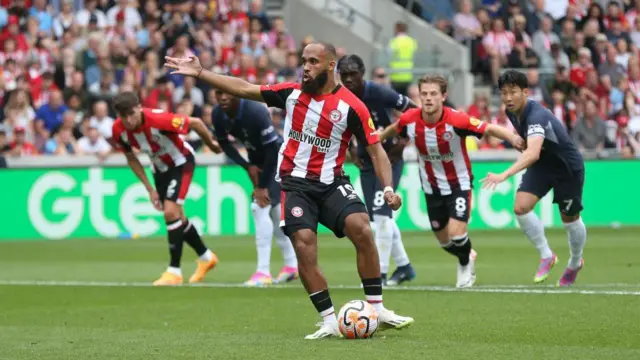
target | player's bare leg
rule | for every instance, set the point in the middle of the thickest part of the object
(533, 228)
(357, 229)
(305, 243)
(175, 229)
(454, 239)
(289, 271)
(577, 234)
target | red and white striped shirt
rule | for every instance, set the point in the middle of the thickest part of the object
(444, 161)
(317, 130)
(158, 136)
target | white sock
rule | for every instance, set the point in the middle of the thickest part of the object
(384, 240)
(577, 233)
(398, 253)
(174, 270)
(264, 234)
(329, 317)
(375, 301)
(207, 256)
(534, 230)
(288, 253)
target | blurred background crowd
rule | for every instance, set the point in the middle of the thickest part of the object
(61, 62)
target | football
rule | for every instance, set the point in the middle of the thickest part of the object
(358, 319)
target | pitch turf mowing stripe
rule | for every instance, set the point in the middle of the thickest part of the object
(505, 289)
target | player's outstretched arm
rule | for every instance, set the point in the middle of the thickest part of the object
(136, 167)
(528, 158)
(235, 86)
(389, 132)
(382, 167)
(197, 125)
(506, 135)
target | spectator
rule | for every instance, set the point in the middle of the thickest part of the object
(106, 88)
(617, 31)
(498, 43)
(590, 130)
(45, 20)
(132, 19)
(535, 92)
(610, 67)
(62, 143)
(90, 11)
(466, 25)
(379, 76)
(579, 70)
(188, 90)
(94, 144)
(542, 41)
(522, 56)
(536, 16)
(19, 114)
(20, 146)
(257, 13)
(49, 117)
(101, 119)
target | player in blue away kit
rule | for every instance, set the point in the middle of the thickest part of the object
(249, 122)
(380, 100)
(553, 162)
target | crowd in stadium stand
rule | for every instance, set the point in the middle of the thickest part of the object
(62, 61)
(581, 58)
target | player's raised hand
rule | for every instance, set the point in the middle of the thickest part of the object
(492, 180)
(393, 200)
(155, 200)
(189, 66)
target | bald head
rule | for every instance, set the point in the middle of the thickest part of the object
(328, 48)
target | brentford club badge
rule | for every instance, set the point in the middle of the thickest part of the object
(297, 211)
(447, 135)
(335, 115)
(435, 224)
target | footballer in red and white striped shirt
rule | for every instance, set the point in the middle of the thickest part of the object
(439, 134)
(321, 118)
(157, 133)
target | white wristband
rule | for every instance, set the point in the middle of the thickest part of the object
(387, 189)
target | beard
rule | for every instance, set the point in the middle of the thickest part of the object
(314, 85)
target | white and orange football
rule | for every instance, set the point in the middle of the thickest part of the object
(358, 319)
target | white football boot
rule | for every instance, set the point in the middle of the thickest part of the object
(467, 274)
(325, 331)
(387, 319)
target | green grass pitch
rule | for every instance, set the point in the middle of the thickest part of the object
(89, 299)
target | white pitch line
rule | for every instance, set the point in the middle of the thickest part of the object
(504, 289)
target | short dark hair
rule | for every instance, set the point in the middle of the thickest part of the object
(124, 102)
(513, 78)
(328, 47)
(437, 79)
(352, 58)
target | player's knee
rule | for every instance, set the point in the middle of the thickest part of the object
(172, 212)
(456, 230)
(359, 231)
(304, 242)
(521, 209)
(569, 218)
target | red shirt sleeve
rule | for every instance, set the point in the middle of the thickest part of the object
(276, 95)
(166, 121)
(405, 119)
(361, 124)
(116, 137)
(465, 124)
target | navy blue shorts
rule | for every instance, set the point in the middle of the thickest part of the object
(372, 190)
(567, 190)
